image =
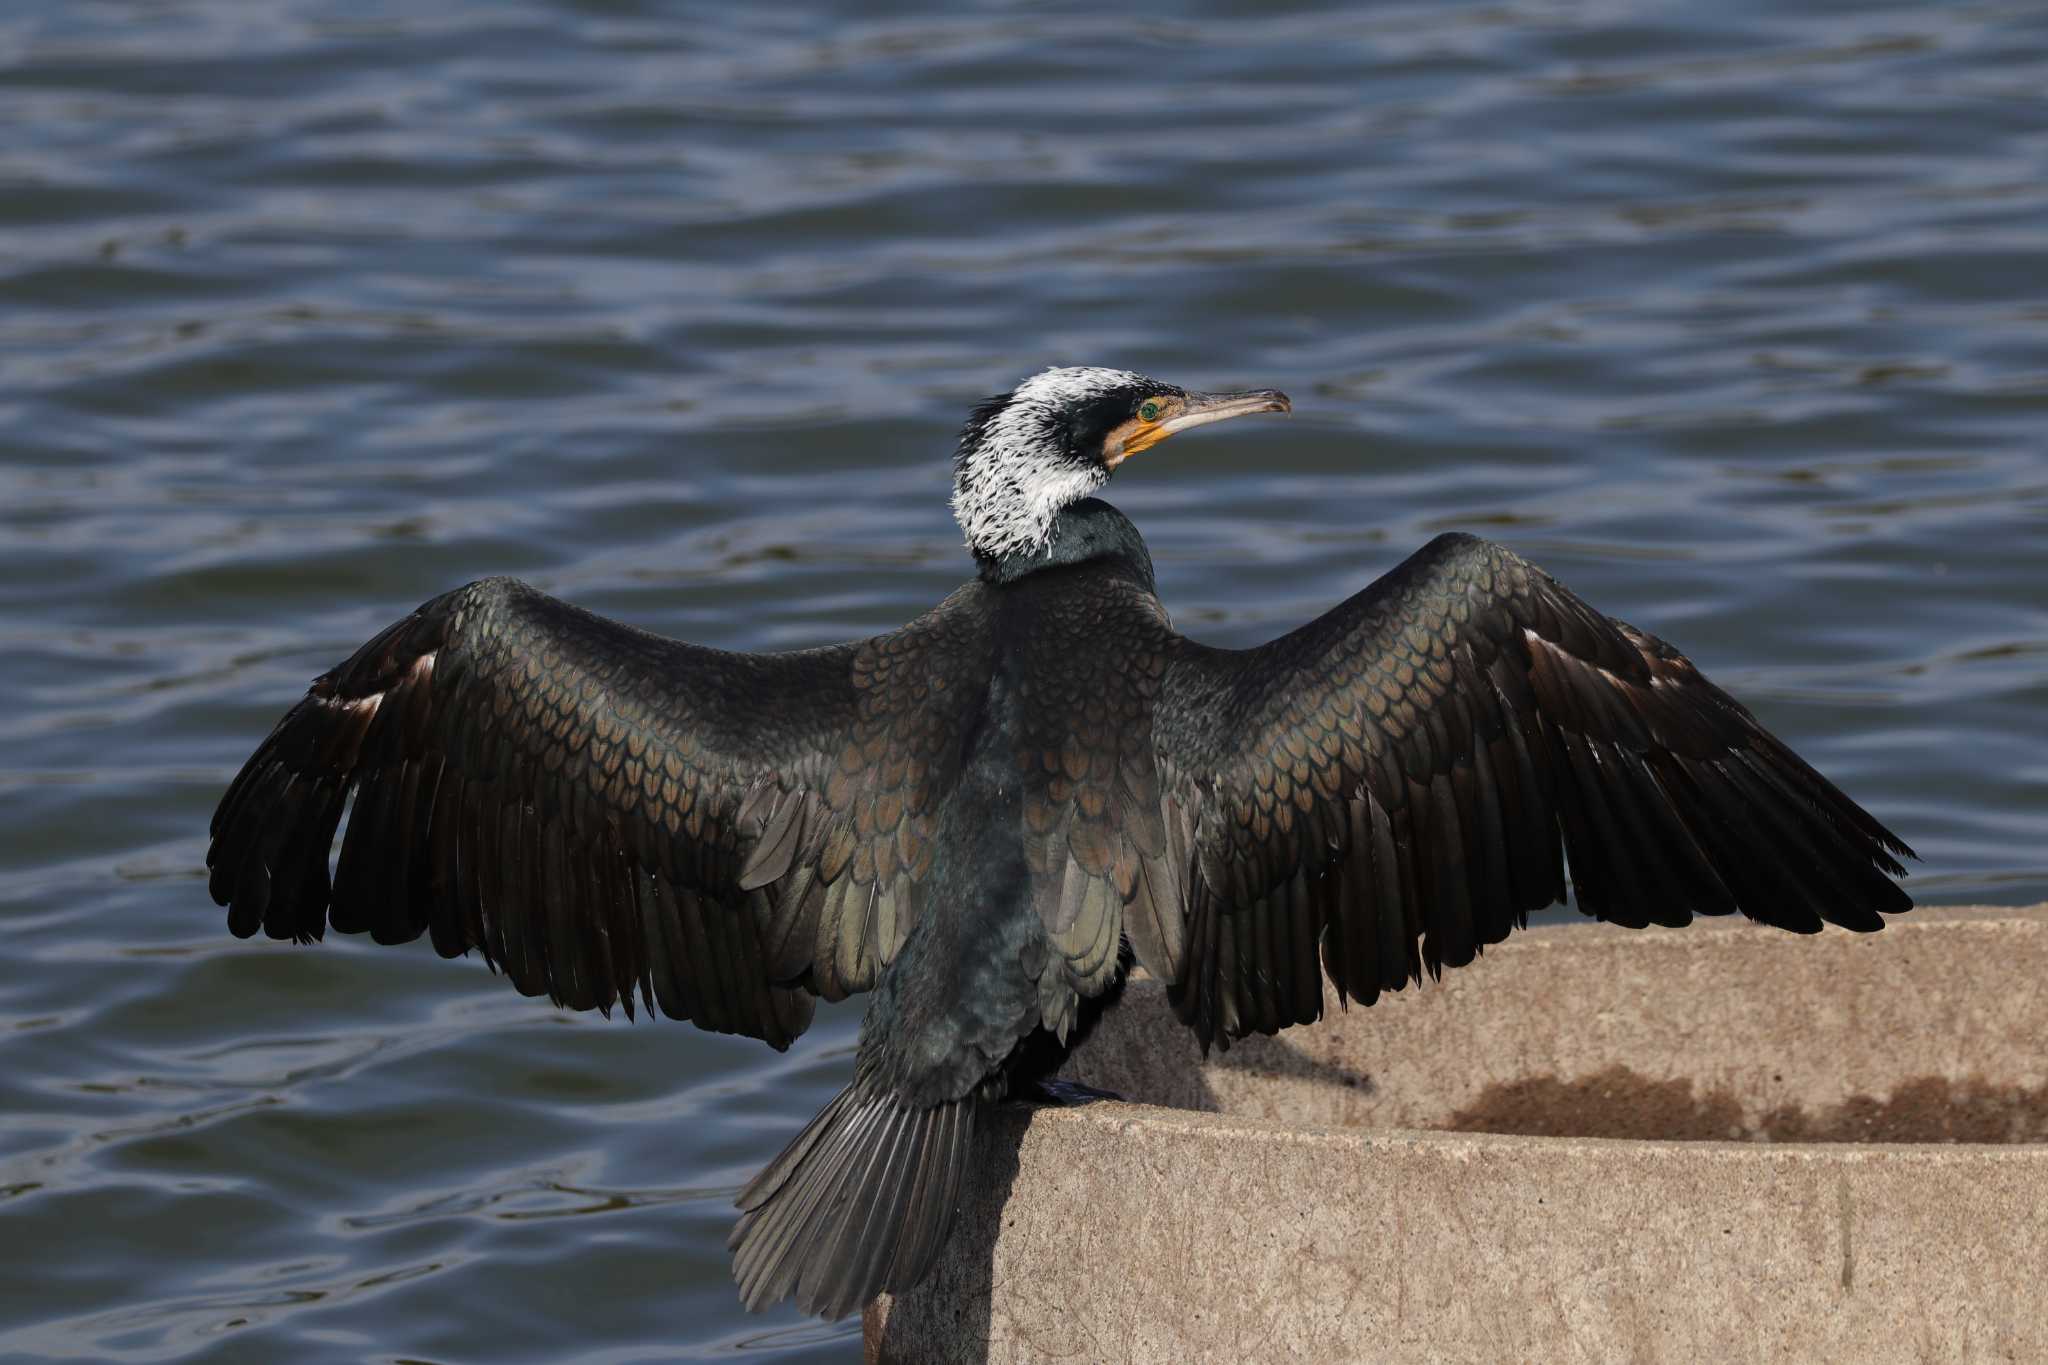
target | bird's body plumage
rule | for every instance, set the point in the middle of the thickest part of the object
(984, 815)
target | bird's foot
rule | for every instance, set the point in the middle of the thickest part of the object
(1066, 1094)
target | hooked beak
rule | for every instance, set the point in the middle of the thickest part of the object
(1198, 410)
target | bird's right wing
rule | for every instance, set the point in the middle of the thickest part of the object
(1391, 786)
(601, 810)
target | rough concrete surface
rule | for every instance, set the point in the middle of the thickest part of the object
(1299, 1198)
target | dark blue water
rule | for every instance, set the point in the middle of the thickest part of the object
(1733, 315)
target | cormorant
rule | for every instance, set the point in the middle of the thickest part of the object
(985, 815)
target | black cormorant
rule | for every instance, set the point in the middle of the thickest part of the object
(984, 815)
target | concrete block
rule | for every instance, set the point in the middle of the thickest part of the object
(1701, 1182)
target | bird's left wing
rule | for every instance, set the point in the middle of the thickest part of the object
(1393, 786)
(603, 811)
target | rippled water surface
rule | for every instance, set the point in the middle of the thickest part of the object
(1732, 315)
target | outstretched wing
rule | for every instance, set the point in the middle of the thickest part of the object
(601, 810)
(1393, 785)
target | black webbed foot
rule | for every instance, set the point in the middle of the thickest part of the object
(1066, 1094)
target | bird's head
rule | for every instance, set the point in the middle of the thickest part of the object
(1058, 436)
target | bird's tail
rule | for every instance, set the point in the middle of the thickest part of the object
(858, 1204)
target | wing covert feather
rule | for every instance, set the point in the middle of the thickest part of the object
(1397, 784)
(602, 811)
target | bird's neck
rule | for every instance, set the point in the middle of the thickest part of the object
(1084, 531)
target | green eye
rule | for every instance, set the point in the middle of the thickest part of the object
(1149, 410)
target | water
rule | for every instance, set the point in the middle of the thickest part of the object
(1732, 315)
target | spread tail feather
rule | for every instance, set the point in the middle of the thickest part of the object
(858, 1204)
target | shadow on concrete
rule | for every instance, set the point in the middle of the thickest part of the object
(954, 1303)
(1275, 1057)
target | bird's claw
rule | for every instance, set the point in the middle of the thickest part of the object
(1066, 1094)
